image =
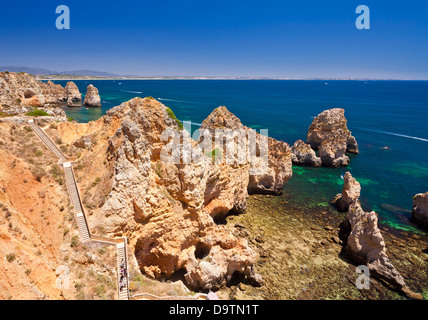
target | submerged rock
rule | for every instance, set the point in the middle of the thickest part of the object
(303, 154)
(92, 97)
(420, 209)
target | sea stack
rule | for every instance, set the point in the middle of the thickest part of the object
(92, 98)
(350, 193)
(420, 209)
(330, 135)
(365, 243)
(74, 97)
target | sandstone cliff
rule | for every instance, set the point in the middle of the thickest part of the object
(92, 97)
(420, 209)
(38, 235)
(167, 210)
(264, 177)
(21, 93)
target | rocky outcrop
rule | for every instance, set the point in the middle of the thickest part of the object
(21, 93)
(165, 209)
(420, 209)
(74, 97)
(267, 177)
(331, 123)
(330, 135)
(92, 97)
(332, 152)
(20, 90)
(303, 154)
(365, 243)
(350, 193)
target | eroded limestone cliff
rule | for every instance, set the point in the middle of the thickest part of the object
(167, 210)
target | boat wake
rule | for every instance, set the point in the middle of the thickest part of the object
(164, 99)
(131, 91)
(398, 135)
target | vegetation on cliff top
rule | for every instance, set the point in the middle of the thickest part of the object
(37, 113)
(173, 117)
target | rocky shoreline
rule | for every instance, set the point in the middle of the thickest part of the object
(299, 254)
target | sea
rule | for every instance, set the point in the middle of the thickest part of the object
(389, 120)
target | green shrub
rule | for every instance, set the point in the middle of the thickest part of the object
(74, 241)
(173, 117)
(37, 113)
(70, 119)
(10, 257)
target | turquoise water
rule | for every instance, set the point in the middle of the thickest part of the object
(379, 113)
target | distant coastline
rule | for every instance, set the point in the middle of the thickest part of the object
(77, 78)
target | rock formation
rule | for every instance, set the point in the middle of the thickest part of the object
(21, 93)
(365, 243)
(333, 152)
(303, 154)
(92, 97)
(269, 179)
(23, 90)
(330, 135)
(420, 209)
(350, 193)
(168, 210)
(74, 97)
(331, 123)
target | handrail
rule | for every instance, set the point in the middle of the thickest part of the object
(92, 237)
(80, 201)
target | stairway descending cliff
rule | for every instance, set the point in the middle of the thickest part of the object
(76, 202)
(85, 234)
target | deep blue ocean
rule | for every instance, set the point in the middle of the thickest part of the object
(388, 118)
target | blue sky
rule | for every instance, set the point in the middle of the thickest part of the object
(305, 38)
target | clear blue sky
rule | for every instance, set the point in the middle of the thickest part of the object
(299, 38)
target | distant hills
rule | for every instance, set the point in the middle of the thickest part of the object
(80, 73)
